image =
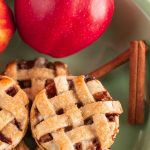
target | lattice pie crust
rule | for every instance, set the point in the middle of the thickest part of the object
(75, 113)
(13, 113)
(32, 76)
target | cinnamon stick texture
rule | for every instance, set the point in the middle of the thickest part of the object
(105, 69)
(133, 81)
(141, 83)
(137, 82)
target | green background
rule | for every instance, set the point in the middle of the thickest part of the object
(131, 21)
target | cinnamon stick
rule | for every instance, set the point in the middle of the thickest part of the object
(119, 60)
(111, 65)
(137, 82)
(133, 81)
(140, 83)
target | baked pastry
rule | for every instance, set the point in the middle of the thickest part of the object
(22, 146)
(75, 113)
(32, 76)
(13, 113)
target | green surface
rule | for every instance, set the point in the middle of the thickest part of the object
(131, 21)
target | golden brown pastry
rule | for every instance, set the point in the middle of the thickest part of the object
(75, 113)
(32, 76)
(13, 113)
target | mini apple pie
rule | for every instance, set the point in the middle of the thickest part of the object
(13, 113)
(75, 113)
(32, 76)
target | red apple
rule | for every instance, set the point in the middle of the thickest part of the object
(7, 27)
(61, 28)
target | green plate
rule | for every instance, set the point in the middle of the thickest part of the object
(131, 21)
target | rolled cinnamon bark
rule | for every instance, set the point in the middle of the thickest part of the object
(140, 83)
(133, 81)
(119, 60)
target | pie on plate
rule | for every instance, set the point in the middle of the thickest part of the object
(75, 113)
(13, 113)
(33, 75)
